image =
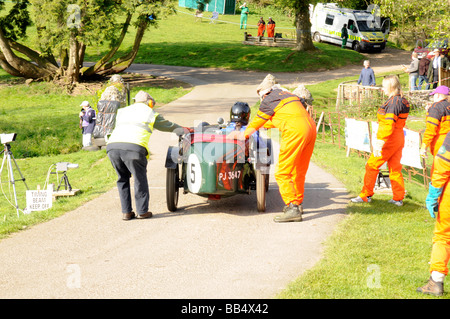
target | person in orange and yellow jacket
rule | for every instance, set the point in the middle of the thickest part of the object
(283, 110)
(261, 27)
(438, 205)
(389, 144)
(437, 122)
(271, 28)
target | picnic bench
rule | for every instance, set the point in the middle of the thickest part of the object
(276, 41)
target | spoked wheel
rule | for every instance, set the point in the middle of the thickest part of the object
(261, 189)
(172, 188)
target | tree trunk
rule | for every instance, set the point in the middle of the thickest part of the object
(7, 67)
(73, 69)
(303, 26)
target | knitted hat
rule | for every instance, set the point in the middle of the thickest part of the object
(142, 96)
(266, 85)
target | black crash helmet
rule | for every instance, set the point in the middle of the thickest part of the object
(240, 113)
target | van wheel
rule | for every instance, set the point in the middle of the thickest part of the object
(356, 46)
(316, 37)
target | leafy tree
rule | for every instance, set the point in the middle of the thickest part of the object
(300, 8)
(65, 28)
(432, 18)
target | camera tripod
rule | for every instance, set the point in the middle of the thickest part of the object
(7, 155)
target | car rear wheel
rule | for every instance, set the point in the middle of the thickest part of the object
(261, 181)
(172, 188)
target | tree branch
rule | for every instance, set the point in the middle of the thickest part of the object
(122, 63)
(101, 63)
(25, 68)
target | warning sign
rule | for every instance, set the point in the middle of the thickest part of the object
(39, 199)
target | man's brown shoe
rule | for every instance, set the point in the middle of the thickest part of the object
(128, 216)
(145, 215)
(432, 288)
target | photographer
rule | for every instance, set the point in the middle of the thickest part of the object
(87, 117)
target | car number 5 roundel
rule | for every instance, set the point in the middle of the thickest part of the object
(193, 174)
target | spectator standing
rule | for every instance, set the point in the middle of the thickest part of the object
(270, 28)
(244, 14)
(424, 63)
(261, 27)
(413, 70)
(367, 76)
(433, 70)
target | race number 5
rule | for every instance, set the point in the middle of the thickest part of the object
(194, 174)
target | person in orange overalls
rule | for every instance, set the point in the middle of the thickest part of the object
(261, 27)
(437, 122)
(271, 28)
(438, 205)
(389, 144)
(283, 110)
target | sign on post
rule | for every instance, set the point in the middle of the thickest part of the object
(39, 199)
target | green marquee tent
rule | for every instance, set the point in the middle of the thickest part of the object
(220, 6)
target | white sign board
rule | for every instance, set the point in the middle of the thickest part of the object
(357, 135)
(39, 199)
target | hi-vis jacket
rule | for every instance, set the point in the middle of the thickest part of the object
(392, 117)
(437, 125)
(135, 124)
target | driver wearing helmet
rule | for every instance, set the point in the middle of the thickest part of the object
(239, 117)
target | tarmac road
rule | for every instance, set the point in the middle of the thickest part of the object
(219, 249)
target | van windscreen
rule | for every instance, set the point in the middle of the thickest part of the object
(368, 26)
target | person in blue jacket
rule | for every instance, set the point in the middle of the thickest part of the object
(367, 76)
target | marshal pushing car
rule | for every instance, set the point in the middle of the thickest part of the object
(209, 164)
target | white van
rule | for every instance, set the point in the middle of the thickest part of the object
(364, 31)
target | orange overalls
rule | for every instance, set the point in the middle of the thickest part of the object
(285, 111)
(440, 253)
(261, 28)
(270, 28)
(437, 126)
(392, 116)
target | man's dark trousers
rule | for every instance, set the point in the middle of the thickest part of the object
(128, 163)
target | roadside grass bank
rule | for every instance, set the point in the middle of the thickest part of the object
(46, 122)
